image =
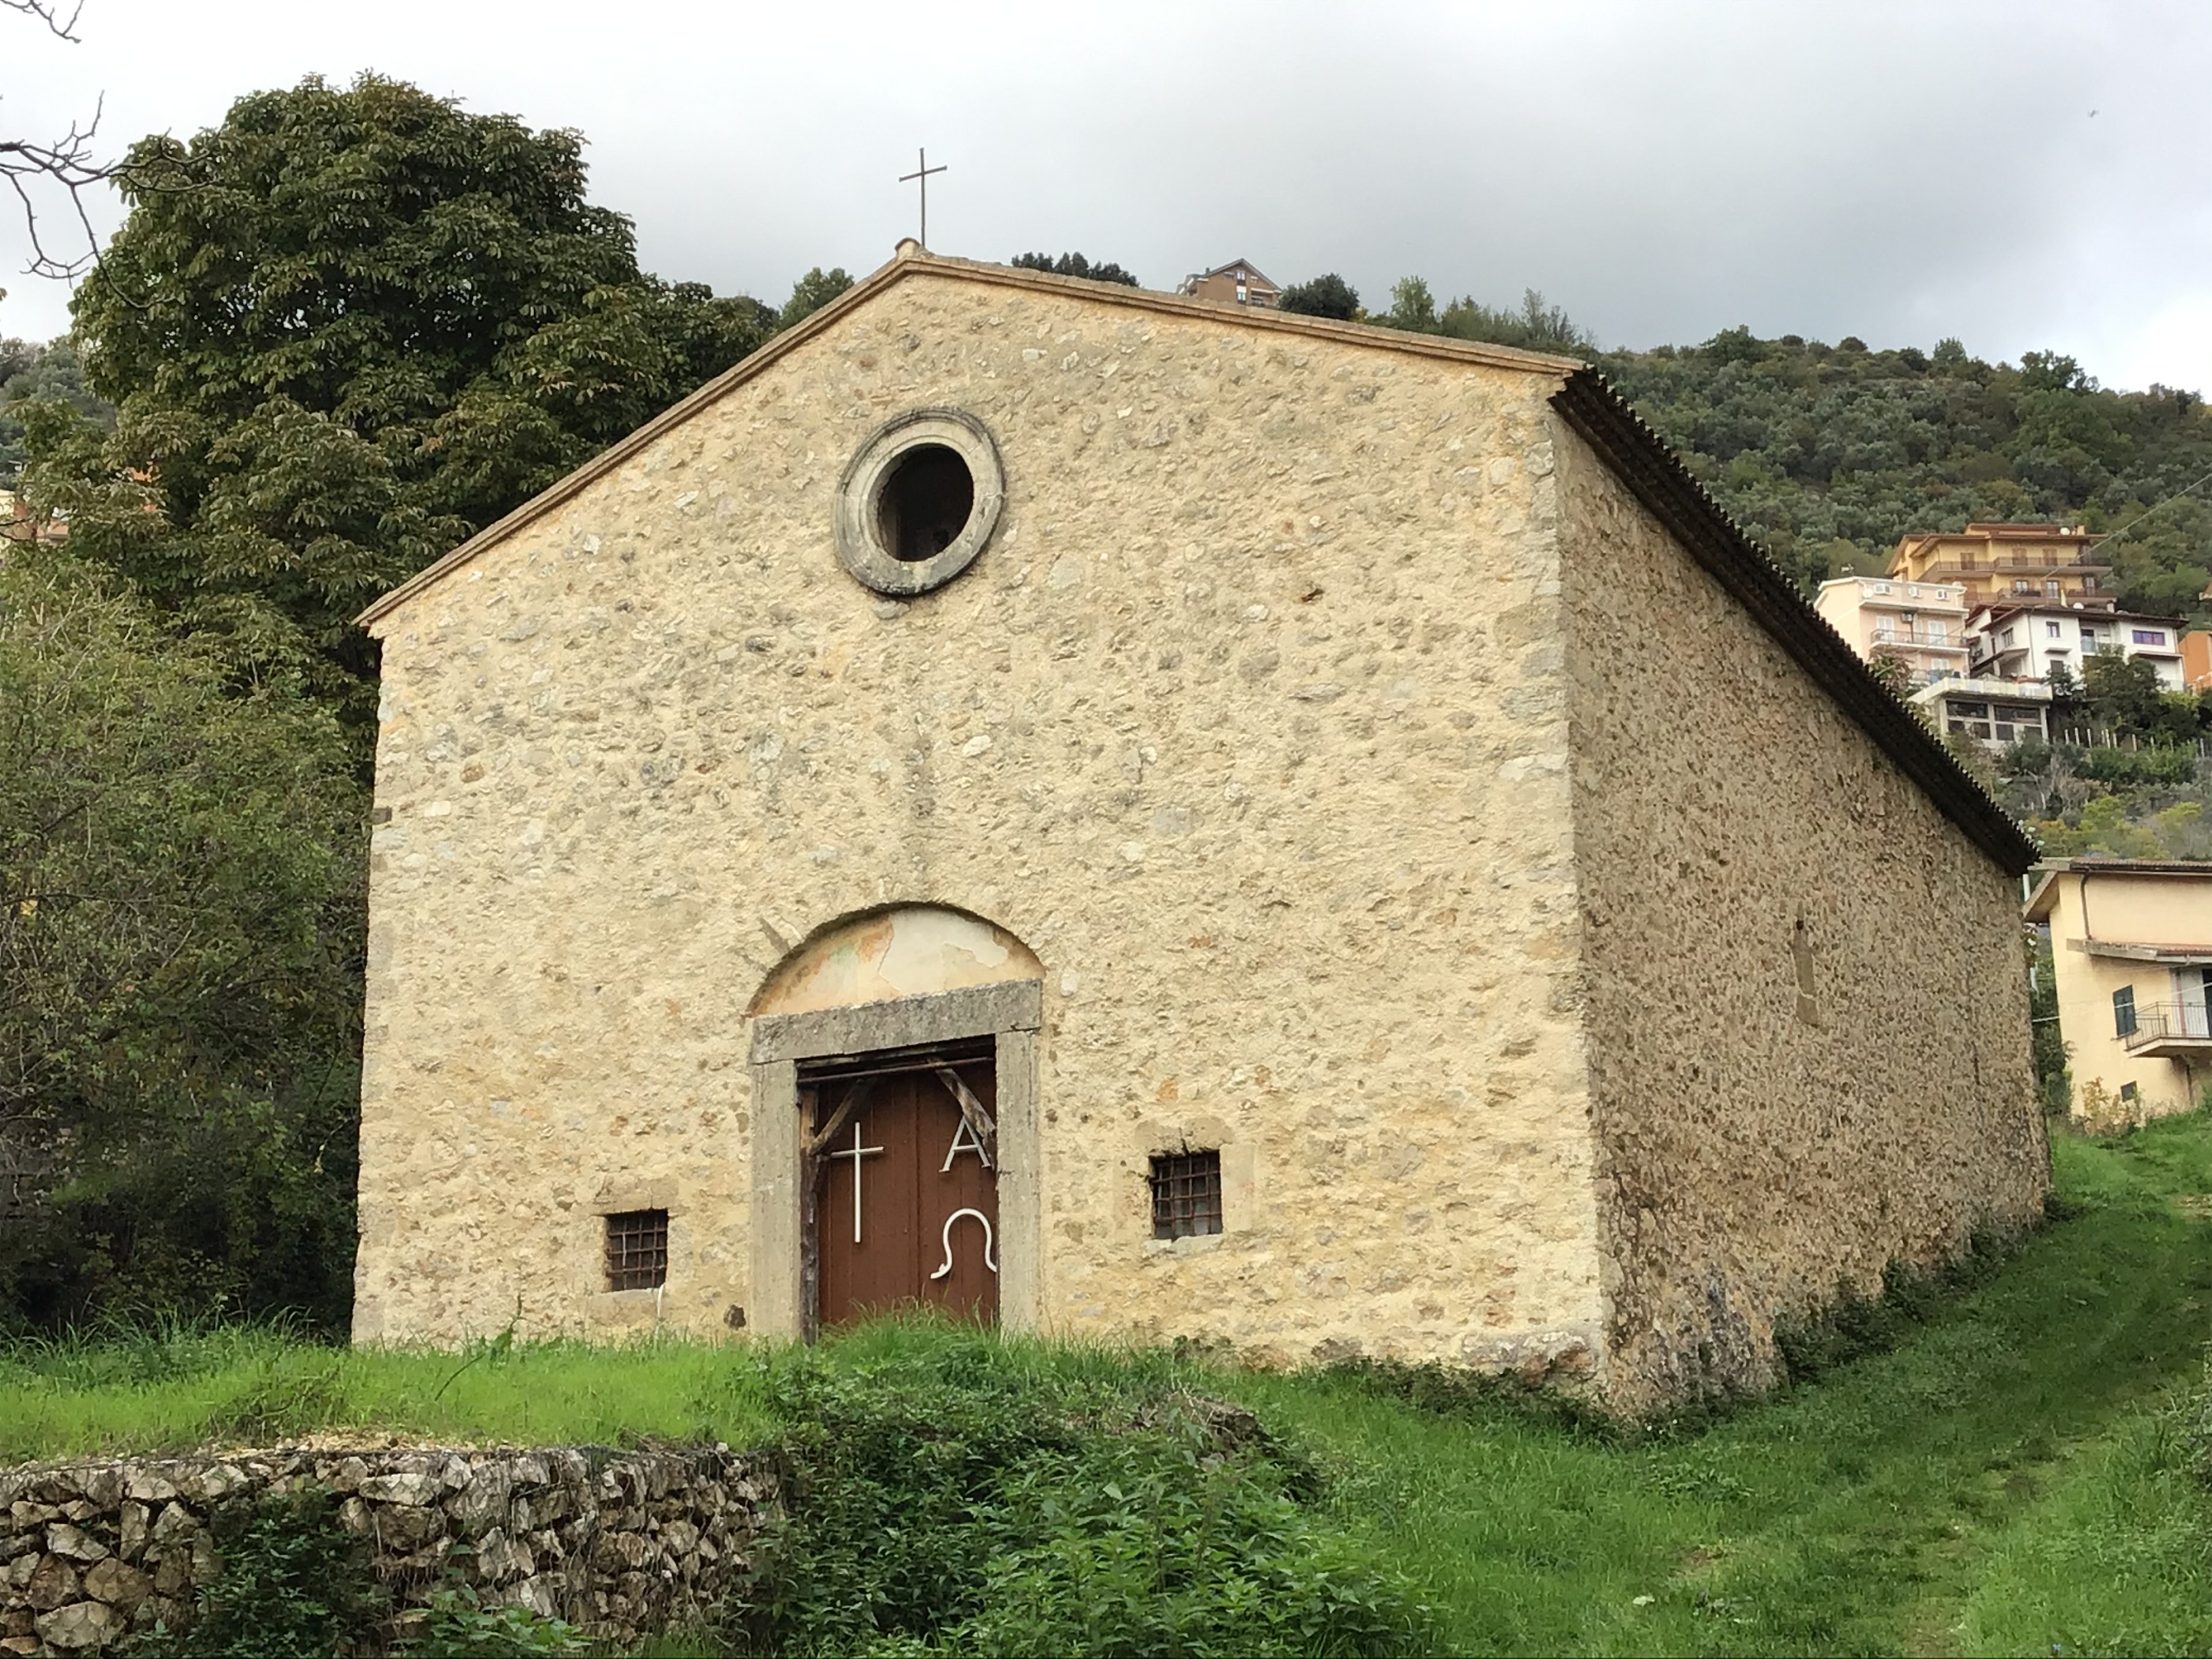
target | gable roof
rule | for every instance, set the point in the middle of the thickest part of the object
(912, 260)
(1260, 279)
(1586, 401)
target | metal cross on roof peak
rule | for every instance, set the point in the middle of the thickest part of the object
(921, 176)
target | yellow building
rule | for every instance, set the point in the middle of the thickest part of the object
(2131, 943)
(1994, 562)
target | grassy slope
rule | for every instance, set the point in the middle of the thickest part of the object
(2007, 1480)
(2011, 1478)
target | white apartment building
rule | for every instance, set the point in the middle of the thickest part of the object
(2024, 642)
(1922, 622)
(1993, 712)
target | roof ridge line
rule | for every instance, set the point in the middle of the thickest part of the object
(914, 260)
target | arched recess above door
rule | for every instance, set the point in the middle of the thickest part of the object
(889, 952)
(891, 981)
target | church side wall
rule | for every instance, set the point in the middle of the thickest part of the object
(1758, 1145)
(1249, 724)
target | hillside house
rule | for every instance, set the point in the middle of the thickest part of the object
(1125, 816)
(1924, 625)
(1994, 712)
(1236, 283)
(1997, 563)
(2026, 641)
(2131, 948)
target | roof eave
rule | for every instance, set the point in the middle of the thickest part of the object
(1657, 479)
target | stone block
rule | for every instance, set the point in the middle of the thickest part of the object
(175, 1522)
(80, 1626)
(75, 1543)
(120, 1586)
(412, 1488)
(342, 1474)
(131, 1534)
(53, 1583)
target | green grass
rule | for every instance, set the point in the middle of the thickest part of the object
(2013, 1478)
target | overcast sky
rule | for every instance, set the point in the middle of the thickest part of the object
(1900, 173)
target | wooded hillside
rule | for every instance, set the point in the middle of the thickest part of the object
(1828, 454)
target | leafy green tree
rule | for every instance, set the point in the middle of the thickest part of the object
(1326, 295)
(180, 885)
(1893, 672)
(1412, 307)
(2123, 693)
(1537, 326)
(811, 292)
(1074, 264)
(367, 324)
(50, 373)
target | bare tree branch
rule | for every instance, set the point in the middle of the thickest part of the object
(68, 162)
(67, 165)
(49, 13)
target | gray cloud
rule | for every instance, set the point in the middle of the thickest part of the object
(1901, 173)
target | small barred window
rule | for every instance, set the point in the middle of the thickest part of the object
(1186, 1194)
(637, 1250)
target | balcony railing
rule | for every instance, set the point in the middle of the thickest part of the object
(1942, 641)
(2056, 564)
(2159, 1023)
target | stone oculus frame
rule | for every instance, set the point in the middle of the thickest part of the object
(860, 499)
(1010, 1014)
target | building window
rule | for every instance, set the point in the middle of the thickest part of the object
(2150, 636)
(919, 501)
(637, 1250)
(2124, 1011)
(2129, 1091)
(1186, 1194)
(2051, 629)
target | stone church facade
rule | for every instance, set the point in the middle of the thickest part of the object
(1266, 829)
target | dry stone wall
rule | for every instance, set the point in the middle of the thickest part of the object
(621, 1544)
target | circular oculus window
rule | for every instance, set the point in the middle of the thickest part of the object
(919, 501)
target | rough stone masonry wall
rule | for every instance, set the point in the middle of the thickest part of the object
(1250, 724)
(1757, 1147)
(620, 1544)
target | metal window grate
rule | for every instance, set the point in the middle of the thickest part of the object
(1186, 1194)
(637, 1250)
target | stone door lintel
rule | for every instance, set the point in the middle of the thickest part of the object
(1012, 1013)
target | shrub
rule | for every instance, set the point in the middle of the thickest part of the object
(293, 1586)
(964, 1502)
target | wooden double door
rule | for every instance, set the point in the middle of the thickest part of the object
(905, 1200)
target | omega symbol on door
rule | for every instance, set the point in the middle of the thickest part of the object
(905, 1193)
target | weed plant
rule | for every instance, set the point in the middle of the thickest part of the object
(1912, 1295)
(293, 1586)
(964, 1496)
